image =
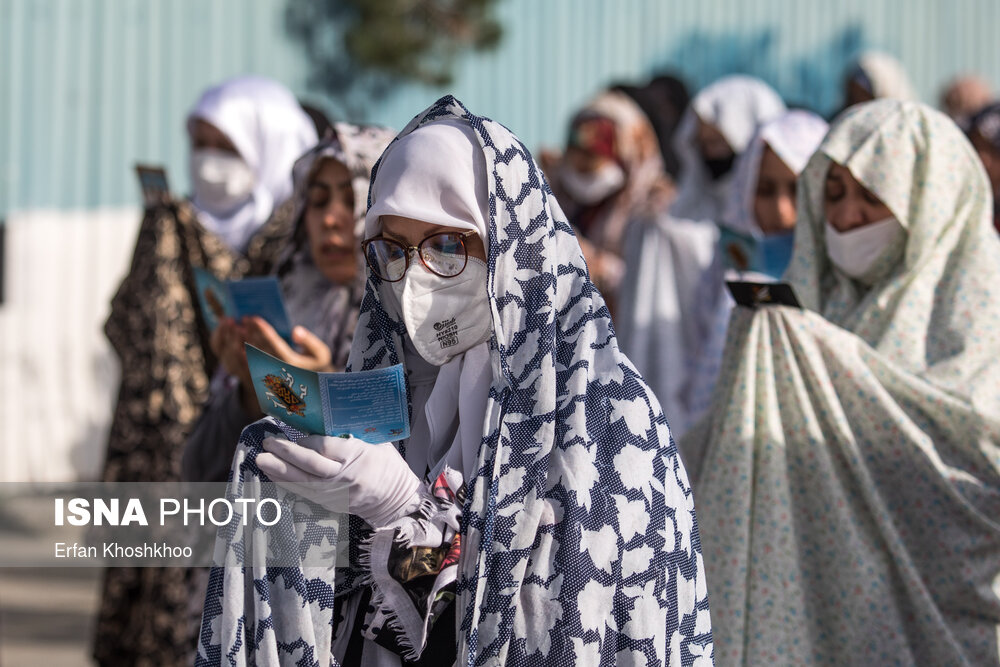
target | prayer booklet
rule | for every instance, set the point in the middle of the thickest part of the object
(766, 255)
(370, 405)
(753, 295)
(153, 181)
(738, 250)
(242, 298)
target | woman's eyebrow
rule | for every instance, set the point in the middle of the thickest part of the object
(394, 237)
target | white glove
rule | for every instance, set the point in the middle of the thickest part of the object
(380, 487)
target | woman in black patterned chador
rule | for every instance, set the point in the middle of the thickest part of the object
(539, 513)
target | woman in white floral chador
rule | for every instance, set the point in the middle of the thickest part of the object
(850, 492)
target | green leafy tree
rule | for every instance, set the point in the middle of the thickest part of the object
(359, 49)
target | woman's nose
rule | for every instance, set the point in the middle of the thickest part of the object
(847, 215)
(786, 211)
(334, 217)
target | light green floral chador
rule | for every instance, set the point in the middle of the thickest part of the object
(849, 481)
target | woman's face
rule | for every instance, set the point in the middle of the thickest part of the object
(585, 162)
(774, 200)
(711, 142)
(205, 135)
(411, 232)
(990, 157)
(329, 220)
(847, 204)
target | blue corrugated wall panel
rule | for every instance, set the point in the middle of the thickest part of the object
(88, 87)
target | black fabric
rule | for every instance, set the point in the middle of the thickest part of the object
(352, 656)
(441, 644)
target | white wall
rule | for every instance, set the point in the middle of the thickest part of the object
(57, 371)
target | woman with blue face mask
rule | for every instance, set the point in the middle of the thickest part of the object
(756, 234)
(760, 214)
(849, 494)
(538, 513)
(245, 134)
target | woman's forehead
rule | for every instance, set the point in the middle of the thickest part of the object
(330, 169)
(411, 228)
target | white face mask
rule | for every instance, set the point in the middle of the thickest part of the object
(222, 182)
(591, 188)
(444, 316)
(856, 251)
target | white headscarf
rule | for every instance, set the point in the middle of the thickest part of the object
(794, 137)
(737, 105)
(270, 130)
(425, 175)
(416, 179)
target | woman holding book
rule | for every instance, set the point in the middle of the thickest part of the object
(538, 513)
(321, 273)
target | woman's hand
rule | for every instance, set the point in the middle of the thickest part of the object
(227, 344)
(373, 480)
(315, 354)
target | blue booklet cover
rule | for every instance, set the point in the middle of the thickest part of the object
(370, 405)
(153, 181)
(767, 256)
(739, 251)
(242, 298)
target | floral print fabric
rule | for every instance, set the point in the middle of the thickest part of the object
(850, 494)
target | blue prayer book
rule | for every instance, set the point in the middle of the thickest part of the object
(242, 298)
(370, 405)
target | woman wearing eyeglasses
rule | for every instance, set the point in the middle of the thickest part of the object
(538, 513)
